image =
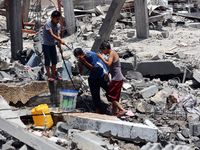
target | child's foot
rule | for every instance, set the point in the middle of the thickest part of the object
(59, 78)
(51, 79)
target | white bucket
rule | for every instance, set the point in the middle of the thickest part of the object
(68, 100)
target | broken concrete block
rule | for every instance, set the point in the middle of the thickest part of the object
(110, 125)
(165, 34)
(157, 56)
(180, 137)
(192, 117)
(180, 55)
(22, 91)
(194, 128)
(150, 91)
(134, 75)
(87, 140)
(8, 114)
(117, 43)
(196, 75)
(147, 146)
(8, 145)
(126, 66)
(160, 98)
(130, 34)
(112, 38)
(172, 25)
(4, 76)
(88, 35)
(158, 67)
(186, 132)
(126, 86)
(144, 107)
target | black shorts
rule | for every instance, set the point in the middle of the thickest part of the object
(50, 54)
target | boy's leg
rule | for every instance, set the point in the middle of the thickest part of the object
(117, 105)
(54, 60)
(53, 71)
(46, 51)
(48, 71)
(114, 109)
(95, 91)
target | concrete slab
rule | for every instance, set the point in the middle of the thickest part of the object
(8, 114)
(111, 125)
(158, 67)
(86, 140)
(14, 92)
(196, 75)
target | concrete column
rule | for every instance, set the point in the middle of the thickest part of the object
(7, 15)
(69, 16)
(15, 27)
(108, 23)
(141, 17)
(26, 5)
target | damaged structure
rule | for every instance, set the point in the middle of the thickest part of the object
(158, 46)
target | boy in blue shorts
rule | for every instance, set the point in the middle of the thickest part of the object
(97, 73)
(51, 32)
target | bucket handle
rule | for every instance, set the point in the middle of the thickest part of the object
(45, 121)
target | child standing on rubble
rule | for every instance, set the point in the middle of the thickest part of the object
(114, 90)
(51, 32)
(97, 72)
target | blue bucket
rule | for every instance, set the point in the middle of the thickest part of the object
(68, 100)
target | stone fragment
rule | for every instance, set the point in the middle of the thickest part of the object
(150, 91)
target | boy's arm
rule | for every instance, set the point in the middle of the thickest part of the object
(56, 37)
(80, 67)
(59, 43)
(82, 60)
(110, 59)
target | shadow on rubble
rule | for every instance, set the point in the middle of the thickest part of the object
(133, 40)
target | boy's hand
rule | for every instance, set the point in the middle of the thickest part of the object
(106, 77)
(99, 55)
(61, 50)
(81, 59)
(62, 42)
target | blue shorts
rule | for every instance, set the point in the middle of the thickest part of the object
(50, 54)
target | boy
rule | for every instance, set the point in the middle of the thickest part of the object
(114, 90)
(97, 72)
(51, 32)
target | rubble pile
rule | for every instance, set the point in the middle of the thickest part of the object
(161, 85)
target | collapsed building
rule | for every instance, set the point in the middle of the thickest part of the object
(157, 42)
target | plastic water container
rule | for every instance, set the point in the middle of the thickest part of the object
(65, 74)
(33, 61)
(40, 119)
(68, 100)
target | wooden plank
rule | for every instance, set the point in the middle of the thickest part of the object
(28, 138)
(108, 23)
